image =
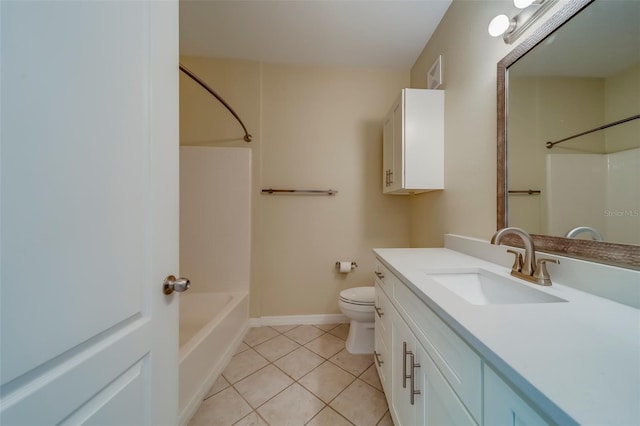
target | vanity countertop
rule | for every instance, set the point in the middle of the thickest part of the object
(578, 361)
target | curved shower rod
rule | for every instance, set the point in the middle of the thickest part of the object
(247, 136)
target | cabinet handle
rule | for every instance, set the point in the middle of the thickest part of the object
(386, 183)
(390, 177)
(379, 312)
(380, 275)
(405, 376)
(378, 361)
(412, 379)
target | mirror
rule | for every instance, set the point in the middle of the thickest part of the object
(569, 133)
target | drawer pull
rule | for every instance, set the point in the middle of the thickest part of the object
(380, 275)
(378, 356)
(379, 312)
(412, 379)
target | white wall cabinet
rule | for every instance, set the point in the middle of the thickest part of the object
(413, 143)
(417, 353)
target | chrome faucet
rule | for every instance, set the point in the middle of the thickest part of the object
(528, 268)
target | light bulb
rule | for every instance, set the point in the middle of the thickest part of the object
(499, 25)
(521, 4)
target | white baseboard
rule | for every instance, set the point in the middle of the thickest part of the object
(299, 320)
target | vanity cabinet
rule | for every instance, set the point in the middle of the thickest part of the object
(503, 406)
(417, 391)
(413, 143)
(429, 374)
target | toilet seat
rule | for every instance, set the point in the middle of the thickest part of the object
(363, 296)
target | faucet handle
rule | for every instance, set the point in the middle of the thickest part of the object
(517, 262)
(541, 274)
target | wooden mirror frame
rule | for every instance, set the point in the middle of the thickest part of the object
(623, 255)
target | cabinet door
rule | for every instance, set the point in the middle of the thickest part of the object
(397, 171)
(437, 403)
(387, 152)
(502, 406)
(404, 412)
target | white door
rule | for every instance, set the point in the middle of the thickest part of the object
(89, 212)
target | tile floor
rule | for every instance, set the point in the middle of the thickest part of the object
(296, 375)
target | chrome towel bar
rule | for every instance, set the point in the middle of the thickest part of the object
(300, 191)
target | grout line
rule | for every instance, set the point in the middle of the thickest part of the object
(296, 381)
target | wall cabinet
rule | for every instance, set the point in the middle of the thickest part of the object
(429, 374)
(413, 143)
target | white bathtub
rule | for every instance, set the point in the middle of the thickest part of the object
(212, 325)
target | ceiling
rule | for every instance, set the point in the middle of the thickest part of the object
(602, 40)
(355, 33)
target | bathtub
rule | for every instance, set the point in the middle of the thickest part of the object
(212, 326)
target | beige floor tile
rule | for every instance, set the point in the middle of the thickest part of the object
(283, 328)
(371, 376)
(299, 362)
(219, 385)
(243, 347)
(293, 406)
(262, 385)
(361, 404)
(341, 331)
(326, 327)
(386, 420)
(276, 347)
(222, 409)
(257, 335)
(253, 420)
(326, 345)
(327, 381)
(243, 364)
(328, 417)
(304, 333)
(354, 364)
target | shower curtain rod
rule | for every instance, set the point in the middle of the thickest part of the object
(606, 126)
(247, 136)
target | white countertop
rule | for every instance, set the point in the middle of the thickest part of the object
(577, 361)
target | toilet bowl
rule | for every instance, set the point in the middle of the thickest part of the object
(358, 304)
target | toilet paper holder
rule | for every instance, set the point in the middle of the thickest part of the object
(354, 265)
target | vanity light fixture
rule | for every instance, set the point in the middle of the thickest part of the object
(511, 28)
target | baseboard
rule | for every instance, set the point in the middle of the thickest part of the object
(299, 320)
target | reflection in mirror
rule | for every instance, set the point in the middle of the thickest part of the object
(559, 84)
(584, 76)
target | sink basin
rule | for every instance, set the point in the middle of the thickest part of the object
(481, 287)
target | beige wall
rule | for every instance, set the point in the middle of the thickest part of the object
(467, 206)
(622, 99)
(313, 128)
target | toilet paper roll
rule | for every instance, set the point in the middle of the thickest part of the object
(345, 267)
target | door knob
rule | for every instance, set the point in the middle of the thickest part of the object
(172, 284)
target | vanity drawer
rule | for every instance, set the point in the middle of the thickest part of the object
(383, 315)
(385, 278)
(459, 364)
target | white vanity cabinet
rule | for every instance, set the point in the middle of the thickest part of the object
(503, 406)
(419, 355)
(417, 391)
(413, 143)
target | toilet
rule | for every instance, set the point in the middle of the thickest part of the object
(358, 304)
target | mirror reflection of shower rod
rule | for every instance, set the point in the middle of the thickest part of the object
(247, 136)
(605, 126)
